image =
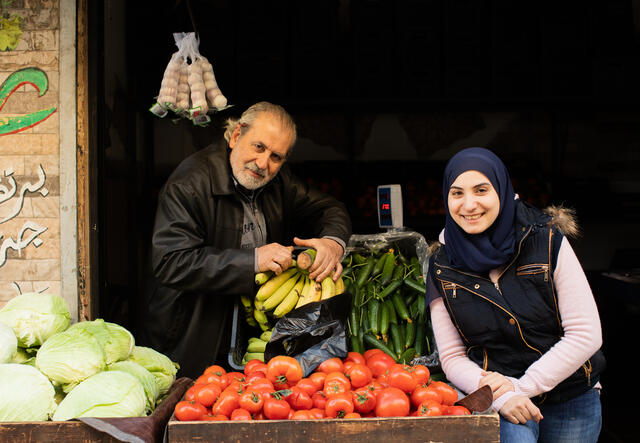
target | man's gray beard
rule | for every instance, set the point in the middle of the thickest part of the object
(250, 182)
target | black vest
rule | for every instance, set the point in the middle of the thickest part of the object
(509, 325)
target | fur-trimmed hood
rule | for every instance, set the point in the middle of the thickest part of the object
(562, 218)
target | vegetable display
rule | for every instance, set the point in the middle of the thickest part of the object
(389, 310)
(359, 386)
(88, 369)
(277, 295)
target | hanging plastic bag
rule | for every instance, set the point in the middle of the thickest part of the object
(312, 333)
(189, 87)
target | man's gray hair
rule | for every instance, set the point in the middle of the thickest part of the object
(249, 116)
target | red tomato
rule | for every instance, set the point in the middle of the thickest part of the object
(276, 408)
(355, 357)
(392, 402)
(374, 387)
(308, 385)
(215, 369)
(371, 352)
(352, 415)
(339, 405)
(421, 374)
(190, 395)
(346, 365)
(251, 400)
(430, 408)
(260, 383)
(255, 365)
(380, 363)
(212, 377)
(457, 410)
(226, 403)
(217, 417)
(318, 379)
(359, 374)
(317, 413)
(189, 411)
(299, 399)
(235, 386)
(333, 364)
(240, 414)
(364, 400)
(207, 395)
(401, 377)
(303, 414)
(449, 395)
(319, 400)
(283, 371)
(423, 393)
(336, 383)
(236, 376)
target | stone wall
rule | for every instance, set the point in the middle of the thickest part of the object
(30, 246)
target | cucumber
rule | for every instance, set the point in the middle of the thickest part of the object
(401, 307)
(374, 316)
(407, 356)
(384, 320)
(396, 339)
(388, 267)
(391, 310)
(390, 288)
(374, 342)
(409, 335)
(415, 285)
(364, 273)
(418, 344)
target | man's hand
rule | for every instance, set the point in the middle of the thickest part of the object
(274, 257)
(498, 383)
(520, 409)
(328, 255)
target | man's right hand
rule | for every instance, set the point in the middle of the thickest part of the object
(274, 257)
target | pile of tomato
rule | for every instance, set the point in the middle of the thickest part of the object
(360, 385)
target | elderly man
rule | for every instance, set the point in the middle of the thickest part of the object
(227, 212)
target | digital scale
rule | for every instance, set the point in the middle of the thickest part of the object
(390, 207)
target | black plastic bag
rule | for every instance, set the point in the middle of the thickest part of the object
(312, 333)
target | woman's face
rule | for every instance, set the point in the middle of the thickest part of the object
(473, 202)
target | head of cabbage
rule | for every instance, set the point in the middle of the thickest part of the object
(163, 369)
(35, 317)
(8, 343)
(148, 380)
(116, 341)
(106, 394)
(25, 394)
(70, 356)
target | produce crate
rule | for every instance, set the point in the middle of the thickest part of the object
(462, 428)
(140, 429)
(239, 336)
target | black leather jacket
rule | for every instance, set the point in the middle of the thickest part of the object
(198, 267)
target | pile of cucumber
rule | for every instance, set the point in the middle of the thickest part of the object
(389, 307)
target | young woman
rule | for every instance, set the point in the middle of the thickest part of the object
(511, 307)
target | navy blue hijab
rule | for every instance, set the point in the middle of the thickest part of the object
(485, 251)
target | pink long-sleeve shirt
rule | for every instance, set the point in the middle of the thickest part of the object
(582, 335)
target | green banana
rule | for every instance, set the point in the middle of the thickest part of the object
(257, 346)
(266, 335)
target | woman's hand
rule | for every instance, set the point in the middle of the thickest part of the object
(498, 383)
(520, 409)
(274, 257)
(328, 256)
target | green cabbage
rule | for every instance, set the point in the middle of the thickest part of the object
(35, 317)
(8, 343)
(25, 394)
(158, 364)
(148, 380)
(116, 340)
(69, 357)
(106, 394)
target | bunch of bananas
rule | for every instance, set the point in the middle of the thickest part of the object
(256, 347)
(280, 294)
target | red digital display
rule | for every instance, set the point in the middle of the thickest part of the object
(385, 206)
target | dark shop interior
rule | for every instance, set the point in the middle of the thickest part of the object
(385, 92)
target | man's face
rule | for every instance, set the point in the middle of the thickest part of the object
(258, 154)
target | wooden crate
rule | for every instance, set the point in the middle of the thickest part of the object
(469, 428)
(106, 430)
